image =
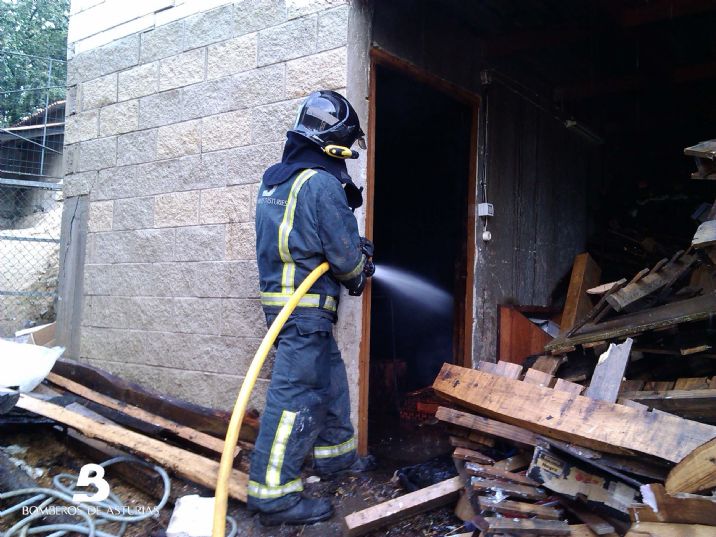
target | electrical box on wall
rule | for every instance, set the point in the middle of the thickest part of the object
(485, 209)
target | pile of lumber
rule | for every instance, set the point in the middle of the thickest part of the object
(104, 416)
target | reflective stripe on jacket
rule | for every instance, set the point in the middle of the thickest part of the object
(299, 224)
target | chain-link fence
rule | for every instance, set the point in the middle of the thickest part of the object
(31, 138)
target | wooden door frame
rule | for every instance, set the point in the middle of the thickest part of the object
(380, 57)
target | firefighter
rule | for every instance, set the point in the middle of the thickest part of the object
(304, 217)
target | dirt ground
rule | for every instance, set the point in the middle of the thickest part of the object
(46, 455)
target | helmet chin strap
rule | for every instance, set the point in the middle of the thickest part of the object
(339, 151)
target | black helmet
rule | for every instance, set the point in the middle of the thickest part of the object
(327, 118)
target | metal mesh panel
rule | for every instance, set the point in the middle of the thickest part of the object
(31, 139)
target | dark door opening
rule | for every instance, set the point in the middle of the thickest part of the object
(421, 189)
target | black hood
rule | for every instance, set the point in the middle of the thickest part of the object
(300, 153)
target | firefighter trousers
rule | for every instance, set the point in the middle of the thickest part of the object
(307, 412)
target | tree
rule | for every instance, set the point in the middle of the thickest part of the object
(31, 32)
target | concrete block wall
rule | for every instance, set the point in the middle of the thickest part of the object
(168, 131)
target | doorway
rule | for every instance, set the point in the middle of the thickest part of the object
(424, 141)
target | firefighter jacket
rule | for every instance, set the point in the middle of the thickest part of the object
(300, 223)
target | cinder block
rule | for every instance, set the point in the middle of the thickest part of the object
(78, 184)
(198, 315)
(241, 165)
(208, 98)
(119, 118)
(98, 154)
(99, 92)
(269, 123)
(176, 209)
(333, 28)
(80, 127)
(200, 243)
(183, 69)
(160, 109)
(140, 246)
(131, 279)
(100, 216)
(184, 173)
(71, 159)
(232, 56)
(118, 182)
(223, 131)
(244, 318)
(326, 70)
(226, 204)
(241, 241)
(201, 279)
(259, 86)
(179, 139)
(120, 54)
(287, 41)
(138, 81)
(134, 313)
(83, 67)
(163, 41)
(133, 213)
(137, 147)
(243, 280)
(209, 27)
(253, 15)
(299, 8)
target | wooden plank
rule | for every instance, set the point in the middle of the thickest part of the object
(677, 509)
(585, 275)
(183, 463)
(569, 387)
(511, 507)
(692, 383)
(490, 472)
(649, 284)
(519, 337)
(549, 364)
(456, 441)
(392, 511)
(516, 462)
(504, 369)
(705, 235)
(523, 526)
(601, 289)
(657, 529)
(206, 420)
(465, 454)
(691, 404)
(572, 418)
(596, 524)
(693, 309)
(696, 472)
(609, 371)
(533, 376)
(511, 490)
(195, 437)
(463, 509)
(486, 425)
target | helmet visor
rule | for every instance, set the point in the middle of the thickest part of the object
(319, 114)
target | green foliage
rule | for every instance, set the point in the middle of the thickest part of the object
(35, 28)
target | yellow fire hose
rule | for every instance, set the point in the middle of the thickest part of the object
(232, 433)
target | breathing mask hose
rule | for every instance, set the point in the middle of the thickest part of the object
(237, 417)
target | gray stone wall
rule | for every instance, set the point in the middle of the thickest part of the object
(168, 132)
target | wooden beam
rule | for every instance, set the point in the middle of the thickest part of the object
(523, 526)
(549, 364)
(676, 509)
(569, 387)
(465, 454)
(394, 510)
(608, 373)
(514, 463)
(195, 437)
(693, 309)
(691, 404)
(585, 274)
(491, 472)
(696, 472)
(183, 463)
(486, 425)
(510, 507)
(573, 418)
(533, 376)
(502, 368)
(511, 490)
(656, 529)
